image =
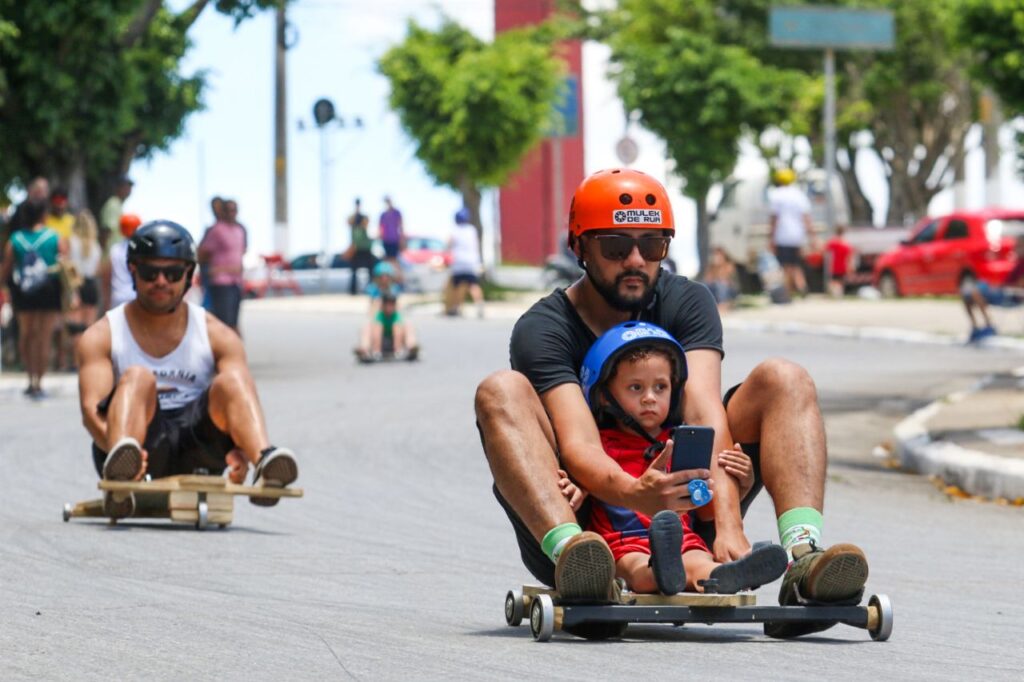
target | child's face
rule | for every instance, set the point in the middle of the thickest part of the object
(643, 388)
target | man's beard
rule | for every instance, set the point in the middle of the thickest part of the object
(162, 308)
(610, 291)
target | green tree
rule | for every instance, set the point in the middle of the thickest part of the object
(698, 93)
(86, 87)
(473, 109)
(994, 32)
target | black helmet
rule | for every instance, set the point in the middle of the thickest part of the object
(162, 239)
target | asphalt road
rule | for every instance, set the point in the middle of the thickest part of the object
(396, 563)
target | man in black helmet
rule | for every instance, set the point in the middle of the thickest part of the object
(164, 386)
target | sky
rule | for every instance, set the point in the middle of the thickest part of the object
(227, 149)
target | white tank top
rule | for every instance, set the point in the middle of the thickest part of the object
(183, 374)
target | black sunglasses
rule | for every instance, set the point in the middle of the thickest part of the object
(149, 273)
(619, 246)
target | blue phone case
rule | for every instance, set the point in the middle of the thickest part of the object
(693, 446)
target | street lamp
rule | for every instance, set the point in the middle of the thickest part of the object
(323, 115)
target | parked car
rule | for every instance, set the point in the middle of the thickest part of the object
(942, 253)
(429, 251)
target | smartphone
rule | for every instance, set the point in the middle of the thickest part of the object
(693, 446)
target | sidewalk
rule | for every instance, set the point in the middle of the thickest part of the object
(973, 439)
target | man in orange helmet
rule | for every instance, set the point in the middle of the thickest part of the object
(541, 441)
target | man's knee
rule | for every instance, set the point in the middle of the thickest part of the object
(777, 376)
(499, 392)
(231, 381)
(138, 377)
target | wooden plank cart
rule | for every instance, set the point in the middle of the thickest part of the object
(547, 613)
(195, 499)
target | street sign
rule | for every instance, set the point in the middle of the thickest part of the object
(567, 109)
(830, 27)
(627, 150)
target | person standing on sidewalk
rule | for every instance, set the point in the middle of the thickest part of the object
(534, 419)
(111, 211)
(392, 233)
(29, 267)
(360, 256)
(221, 253)
(839, 262)
(790, 229)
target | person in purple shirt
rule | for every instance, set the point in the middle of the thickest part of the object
(391, 234)
(220, 254)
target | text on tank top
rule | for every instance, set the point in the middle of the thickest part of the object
(183, 374)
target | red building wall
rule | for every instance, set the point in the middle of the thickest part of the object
(532, 218)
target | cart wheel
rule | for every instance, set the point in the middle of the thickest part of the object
(514, 607)
(882, 606)
(67, 512)
(542, 617)
(204, 515)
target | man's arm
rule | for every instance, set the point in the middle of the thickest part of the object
(227, 347)
(581, 453)
(95, 378)
(703, 406)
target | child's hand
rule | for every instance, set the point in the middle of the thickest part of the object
(738, 465)
(570, 491)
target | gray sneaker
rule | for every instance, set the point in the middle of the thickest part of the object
(124, 461)
(585, 571)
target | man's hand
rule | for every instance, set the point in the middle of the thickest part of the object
(730, 545)
(238, 468)
(572, 493)
(656, 490)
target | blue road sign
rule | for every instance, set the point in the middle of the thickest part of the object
(829, 27)
(567, 109)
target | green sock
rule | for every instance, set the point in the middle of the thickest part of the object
(555, 539)
(799, 526)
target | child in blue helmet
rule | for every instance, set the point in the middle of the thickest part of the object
(386, 332)
(632, 379)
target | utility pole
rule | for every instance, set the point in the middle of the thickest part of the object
(280, 134)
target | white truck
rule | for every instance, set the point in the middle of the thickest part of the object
(741, 226)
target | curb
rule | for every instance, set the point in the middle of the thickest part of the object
(974, 472)
(867, 333)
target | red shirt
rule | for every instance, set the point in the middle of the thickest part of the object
(840, 252)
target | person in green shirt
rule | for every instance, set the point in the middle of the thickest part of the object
(110, 213)
(359, 253)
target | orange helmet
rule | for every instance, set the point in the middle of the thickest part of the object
(619, 197)
(129, 223)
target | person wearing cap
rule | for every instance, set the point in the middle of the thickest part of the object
(58, 218)
(464, 247)
(790, 228)
(164, 387)
(110, 213)
(534, 419)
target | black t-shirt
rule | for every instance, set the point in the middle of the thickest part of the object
(550, 340)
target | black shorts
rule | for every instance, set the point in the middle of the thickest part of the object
(179, 441)
(89, 292)
(543, 569)
(391, 249)
(465, 278)
(788, 255)
(42, 299)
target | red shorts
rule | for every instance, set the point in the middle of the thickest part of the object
(627, 531)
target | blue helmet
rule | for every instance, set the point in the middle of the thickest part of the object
(462, 216)
(383, 268)
(602, 356)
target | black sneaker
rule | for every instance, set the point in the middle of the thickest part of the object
(764, 564)
(834, 576)
(666, 540)
(276, 469)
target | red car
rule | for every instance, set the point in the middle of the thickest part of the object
(943, 252)
(429, 251)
